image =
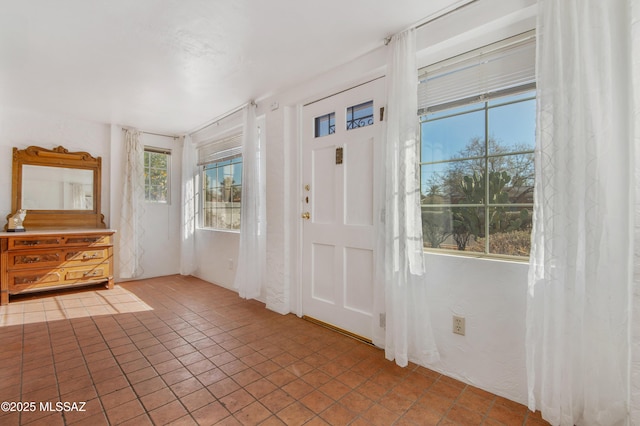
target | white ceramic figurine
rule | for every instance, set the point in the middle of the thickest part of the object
(15, 222)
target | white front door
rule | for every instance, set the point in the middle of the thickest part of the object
(340, 134)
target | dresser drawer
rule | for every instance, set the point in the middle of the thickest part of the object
(87, 240)
(38, 279)
(85, 257)
(34, 242)
(34, 259)
(55, 258)
(47, 260)
(80, 240)
(94, 272)
(34, 279)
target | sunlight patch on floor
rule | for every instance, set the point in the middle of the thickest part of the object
(52, 307)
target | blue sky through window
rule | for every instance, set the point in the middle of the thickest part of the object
(512, 126)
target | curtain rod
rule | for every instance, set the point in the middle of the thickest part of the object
(431, 18)
(221, 117)
(154, 134)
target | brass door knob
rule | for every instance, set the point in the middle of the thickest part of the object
(306, 215)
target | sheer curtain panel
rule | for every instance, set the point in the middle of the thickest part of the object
(188, 208)
(635, 298)
(251, 268)
(580, 290)
(131, 230)
(401, 275)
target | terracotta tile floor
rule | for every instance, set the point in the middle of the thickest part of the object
(177, 350)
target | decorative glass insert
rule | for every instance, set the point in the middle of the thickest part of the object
(325, 125)
(360, 115)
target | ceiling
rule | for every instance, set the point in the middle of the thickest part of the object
(169, 66)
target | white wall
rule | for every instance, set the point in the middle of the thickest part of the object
(217, 256)
(161, 239)
(217, 251)
(491, 294)
(160, 221)
(20, 128)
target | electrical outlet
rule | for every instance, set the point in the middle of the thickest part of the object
(230, 263)
(458, 325)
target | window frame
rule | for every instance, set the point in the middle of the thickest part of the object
(147, 173)
(217, 164)
(483, 100)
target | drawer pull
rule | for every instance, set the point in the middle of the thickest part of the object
(92, 274)
(87, 257)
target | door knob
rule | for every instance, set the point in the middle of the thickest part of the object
(306, 215)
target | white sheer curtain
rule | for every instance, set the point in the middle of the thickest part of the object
(77, 196)
(580, 276)
(188, 208)
(401, 273)
(251, 268)
(635, 298)
(131, 229)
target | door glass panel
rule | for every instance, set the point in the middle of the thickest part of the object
(325, 125)
(360, 115)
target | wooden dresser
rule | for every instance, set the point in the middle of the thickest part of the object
(45, 260)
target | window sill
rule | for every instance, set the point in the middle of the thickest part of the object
(486, 256)
(226, 231)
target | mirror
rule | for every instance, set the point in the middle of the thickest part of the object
(59, 189)
(56, 188)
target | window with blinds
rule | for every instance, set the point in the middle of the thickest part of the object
(218, 149)
(489, 72)
(477, 128)
(220, 161)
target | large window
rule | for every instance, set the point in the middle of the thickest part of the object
(477, 123)
(220, 162)
(222, 193)
(157, 164)
(477, 176)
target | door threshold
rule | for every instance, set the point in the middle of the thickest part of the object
(339, 330)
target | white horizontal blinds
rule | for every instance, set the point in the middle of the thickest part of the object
(157, 150)
(218, 149)
(477, 75)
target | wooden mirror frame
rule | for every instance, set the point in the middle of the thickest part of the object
(57, 219)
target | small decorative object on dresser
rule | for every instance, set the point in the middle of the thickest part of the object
(15, 221)
(66, 243)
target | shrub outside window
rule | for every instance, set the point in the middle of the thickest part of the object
(477, 175)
